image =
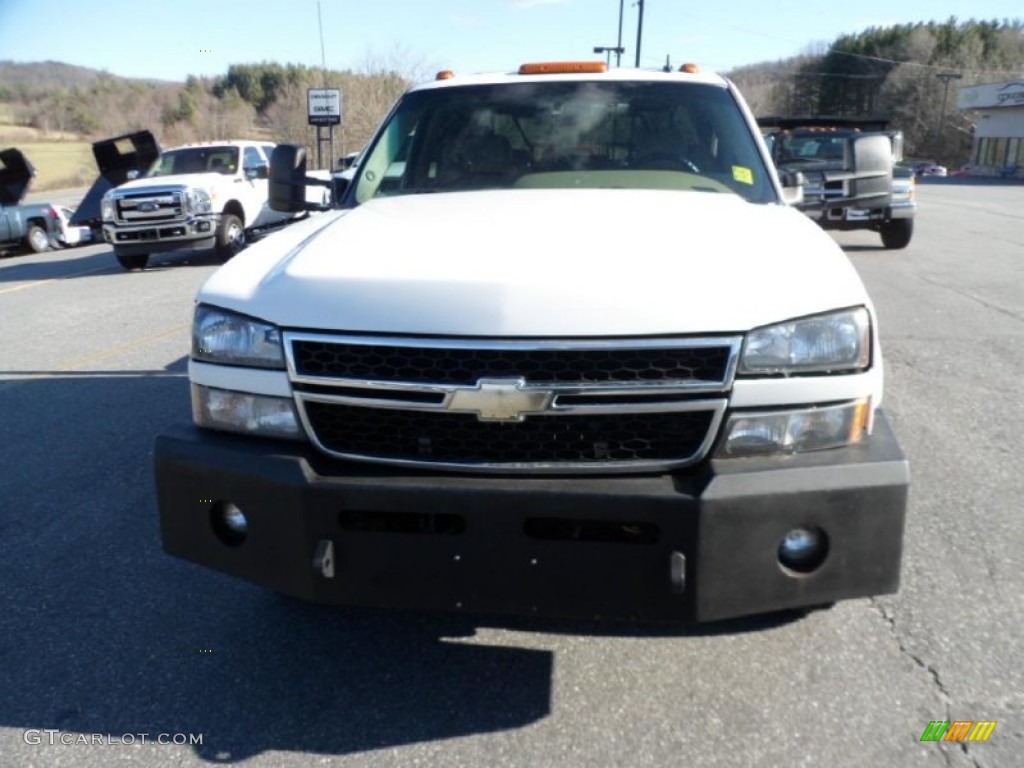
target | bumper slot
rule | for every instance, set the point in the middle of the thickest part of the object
(145, 235)
(566, 529)
(402, 522)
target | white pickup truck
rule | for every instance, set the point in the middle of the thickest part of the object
(196, 196)
(563, 348)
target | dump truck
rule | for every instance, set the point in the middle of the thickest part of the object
(824, 150)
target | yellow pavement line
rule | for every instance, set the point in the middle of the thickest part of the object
(122, 348)
(34, 283)
(10, 383)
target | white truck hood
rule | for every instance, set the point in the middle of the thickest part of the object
(536, 263)
(206, 180)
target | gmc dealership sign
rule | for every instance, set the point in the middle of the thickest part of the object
(324, 106)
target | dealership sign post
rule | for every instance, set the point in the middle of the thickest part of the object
(324, 110)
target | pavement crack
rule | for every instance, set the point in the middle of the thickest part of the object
(933, 673)
(968, 295)
(969, 756)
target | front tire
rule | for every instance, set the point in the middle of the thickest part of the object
(896, 233)
(37, 240)
(132, 262)
(230, 237)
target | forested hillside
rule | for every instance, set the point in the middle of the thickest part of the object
(62, 102)
(894, 71)
(882, 70)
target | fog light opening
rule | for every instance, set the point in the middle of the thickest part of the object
(229, 523)
(803, 550)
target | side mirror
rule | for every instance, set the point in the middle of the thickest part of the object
(288, 187)
(288, 178)
(257, 172)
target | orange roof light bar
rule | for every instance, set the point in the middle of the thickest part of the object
(690, 68)
(444, 74)
(562, 67)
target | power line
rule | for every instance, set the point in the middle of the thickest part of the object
(943, 67)
(837, 74)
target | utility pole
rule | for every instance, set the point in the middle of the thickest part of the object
(618, 45)
(323, 66)
(945, 77)
(639, 31)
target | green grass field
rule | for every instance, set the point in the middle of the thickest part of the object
(61, 163)
(60, 159)
(58, 163)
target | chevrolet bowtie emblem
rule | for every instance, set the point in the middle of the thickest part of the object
(500, 400)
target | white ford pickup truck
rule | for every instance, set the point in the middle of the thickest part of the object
(197, 196)
(563, 348)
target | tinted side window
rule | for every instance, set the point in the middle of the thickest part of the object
(253, 159)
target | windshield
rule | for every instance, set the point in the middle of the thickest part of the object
(819, 147)
(684, 136)
(197, 160)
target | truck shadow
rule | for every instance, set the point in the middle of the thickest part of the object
(90, 261)
(102, 633)
(865, 248)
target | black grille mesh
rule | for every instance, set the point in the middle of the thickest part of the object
(466, 366)
(462, 438)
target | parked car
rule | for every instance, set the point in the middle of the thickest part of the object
(928, 168)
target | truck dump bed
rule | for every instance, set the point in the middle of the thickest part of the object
(116, 158)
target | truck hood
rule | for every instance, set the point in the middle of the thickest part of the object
(207, 180)
(542, 263)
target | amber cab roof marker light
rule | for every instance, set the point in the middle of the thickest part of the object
(562, 67)
(690, 68)
(444, 74)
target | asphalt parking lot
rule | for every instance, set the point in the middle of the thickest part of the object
(102, 636)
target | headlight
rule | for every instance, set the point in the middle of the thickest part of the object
(839, 342)
(809, 429)
(244, 412)
(198, 200)
(224, 337)
(107, 206)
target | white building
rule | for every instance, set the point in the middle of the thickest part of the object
(998, 148)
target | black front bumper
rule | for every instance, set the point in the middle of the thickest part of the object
(698, 545)
(861, 218)
(190, 234)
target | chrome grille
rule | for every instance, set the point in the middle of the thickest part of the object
(511, 405)
(150, 206)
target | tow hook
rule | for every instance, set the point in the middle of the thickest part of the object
(323, 560)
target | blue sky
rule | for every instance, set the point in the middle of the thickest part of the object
(169, 39)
